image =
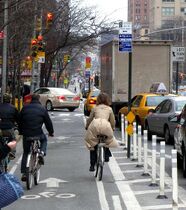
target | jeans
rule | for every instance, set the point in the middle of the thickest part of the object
(26, 150)
(93, 155)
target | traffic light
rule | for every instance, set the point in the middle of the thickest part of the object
(34, 48)
(49, 19)
(40, 44)
(66, 59)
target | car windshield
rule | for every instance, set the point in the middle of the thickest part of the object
(59, 91)
(180, 105)
(95, 93)
(155, 100)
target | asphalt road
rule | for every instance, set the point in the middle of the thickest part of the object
(66, 183)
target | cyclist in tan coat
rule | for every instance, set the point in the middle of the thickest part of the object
(100, 121)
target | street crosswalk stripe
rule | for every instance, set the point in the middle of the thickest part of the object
(124, 164)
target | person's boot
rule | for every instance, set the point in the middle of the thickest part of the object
(91, 168)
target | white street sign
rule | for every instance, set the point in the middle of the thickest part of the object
(41, 60)
(178, 54)
(52, 182)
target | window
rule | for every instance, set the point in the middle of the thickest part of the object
(168, 11)
(166, 107)
(136, 103)
(167, 0)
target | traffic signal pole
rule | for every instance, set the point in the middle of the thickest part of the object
(5, 43)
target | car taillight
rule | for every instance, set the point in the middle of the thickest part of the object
(61, 97)
(76, 98)
(91, 101)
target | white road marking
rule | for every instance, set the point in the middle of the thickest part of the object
(116, 202)
(102, 197)
(159, 207)
(141, 192)
(126, 192)
(133, 171)
(125, 164)
(52, 182)
(119, 158)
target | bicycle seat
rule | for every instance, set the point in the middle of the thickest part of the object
(32, 138)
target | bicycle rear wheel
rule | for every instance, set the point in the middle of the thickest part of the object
(100, 163)
(29, 180)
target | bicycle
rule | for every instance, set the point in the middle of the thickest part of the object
(32, 165)
(100, 156)
(5, 161)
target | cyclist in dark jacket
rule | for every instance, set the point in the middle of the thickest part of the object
(8, 119)
(31, 119)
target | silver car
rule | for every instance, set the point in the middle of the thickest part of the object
(52, 98)
(158, 122)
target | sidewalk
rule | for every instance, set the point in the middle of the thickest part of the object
(129, 177)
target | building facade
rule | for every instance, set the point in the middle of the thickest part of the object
(166, 13)
(138, 14)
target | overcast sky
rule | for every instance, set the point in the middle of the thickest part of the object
(116, 9)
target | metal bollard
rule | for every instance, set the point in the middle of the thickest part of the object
(174, 180)
(153, 182)
(162, 171)
(126, 134)
(139, 147)
(134, 142)
(145, 143)
(122, 129)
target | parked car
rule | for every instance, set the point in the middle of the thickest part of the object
(142, 104)
(158, 122)
(52, 98)
(90, 101)
(180, 141)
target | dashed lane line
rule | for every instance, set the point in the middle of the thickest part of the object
(102, 196)
(116, 202)
(126, 192)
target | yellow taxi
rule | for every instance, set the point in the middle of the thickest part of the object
(90, 101)
(142, 104)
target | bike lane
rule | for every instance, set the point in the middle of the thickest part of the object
(65, 181)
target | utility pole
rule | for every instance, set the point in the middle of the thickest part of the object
(5, 44)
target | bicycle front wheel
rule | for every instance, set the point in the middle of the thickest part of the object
(37, 173)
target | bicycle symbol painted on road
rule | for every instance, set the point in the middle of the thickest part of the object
(49, 195)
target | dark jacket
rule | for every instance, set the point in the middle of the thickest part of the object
(8, 116)
(31, 119)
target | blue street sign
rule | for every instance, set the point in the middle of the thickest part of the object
(87, 73)
(125, 37)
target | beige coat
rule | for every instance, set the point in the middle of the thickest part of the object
(100, 121)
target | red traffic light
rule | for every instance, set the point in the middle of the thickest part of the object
(49, 16)
(40, 38)
(34, 41)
